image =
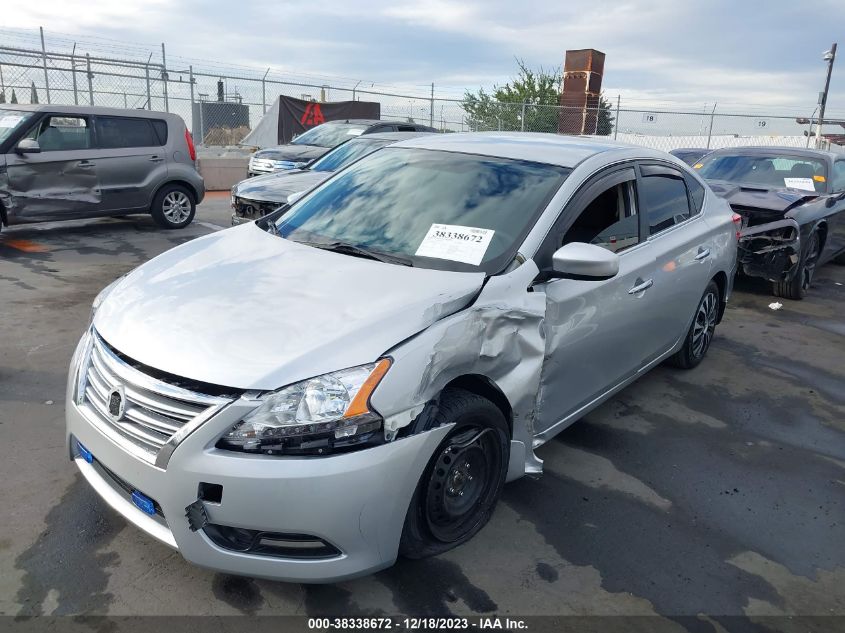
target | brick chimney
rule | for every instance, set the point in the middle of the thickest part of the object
(582, 73)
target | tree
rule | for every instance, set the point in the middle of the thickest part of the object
(529, 102)
(14, 98)
(604, 126)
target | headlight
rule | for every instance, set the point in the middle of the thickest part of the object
(98, 300)
(326, 414)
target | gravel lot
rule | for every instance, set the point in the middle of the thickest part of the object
(717, 491)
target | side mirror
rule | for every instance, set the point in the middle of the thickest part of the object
(585, 261)
(28, 146)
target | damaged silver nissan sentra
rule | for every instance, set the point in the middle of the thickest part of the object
(357, 375)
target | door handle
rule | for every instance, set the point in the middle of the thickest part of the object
(155, 159)
(703, 253)
(641, 286)
(85, 163)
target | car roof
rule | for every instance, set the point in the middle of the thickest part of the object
(553, 149)
(74, 109)
(804, 152)
(352, 122)
(391, 136)
(689, 149)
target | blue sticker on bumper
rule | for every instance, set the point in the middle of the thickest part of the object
(143, 502)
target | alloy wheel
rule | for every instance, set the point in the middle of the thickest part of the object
(705, 324)
(810, 261)
(176, 207)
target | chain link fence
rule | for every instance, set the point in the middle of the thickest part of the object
(221, 105)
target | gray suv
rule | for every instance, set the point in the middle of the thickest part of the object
(66, 162)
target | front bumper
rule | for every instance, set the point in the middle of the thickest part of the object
(771, 251)
(356, 502)
(246, 210)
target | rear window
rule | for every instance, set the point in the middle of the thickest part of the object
(115, 132)
(665, 201)
(160, 129)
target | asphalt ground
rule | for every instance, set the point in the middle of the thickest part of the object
(718, 491)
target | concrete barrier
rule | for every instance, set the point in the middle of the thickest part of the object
(220, 173)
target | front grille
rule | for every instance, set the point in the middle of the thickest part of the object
(254, 209)
(153, 410)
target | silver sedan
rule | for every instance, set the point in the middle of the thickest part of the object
(308, 396)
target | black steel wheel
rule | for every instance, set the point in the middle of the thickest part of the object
(461, 484)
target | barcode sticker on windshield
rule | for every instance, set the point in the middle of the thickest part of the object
(456, 243)
(10, 120)
(800, 183)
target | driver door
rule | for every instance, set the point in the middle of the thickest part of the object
(596, 331)
(60, 181)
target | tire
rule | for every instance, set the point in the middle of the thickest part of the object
(797, 287)
(461, 484)
(701, 331)
(173, 207)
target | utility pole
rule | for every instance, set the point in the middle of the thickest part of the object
(73, 74)
(829, 57)
(44, 62)
(431, 108)
(164, 78)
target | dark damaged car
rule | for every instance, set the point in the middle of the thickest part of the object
(792, 205)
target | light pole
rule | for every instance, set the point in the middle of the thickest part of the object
(829, 57)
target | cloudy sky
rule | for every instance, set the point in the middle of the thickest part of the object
(763, 54)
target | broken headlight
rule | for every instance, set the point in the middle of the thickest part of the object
(327, 414)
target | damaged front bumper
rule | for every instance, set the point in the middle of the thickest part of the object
(294, 519)
(771, 251)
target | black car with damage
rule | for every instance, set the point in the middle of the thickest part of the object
(792, 205)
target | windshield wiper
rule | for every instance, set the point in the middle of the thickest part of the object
(345, 248)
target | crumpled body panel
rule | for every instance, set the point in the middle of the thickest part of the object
(48, 190)
(499, 337)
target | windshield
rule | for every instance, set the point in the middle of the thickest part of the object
(348, 153)
(329, 134)
(10, 120)
(436, 209)
(765, 170)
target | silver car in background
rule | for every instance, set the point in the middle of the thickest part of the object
(66, 162)
(308, 396)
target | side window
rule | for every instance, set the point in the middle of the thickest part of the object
(61, 133)
(696, 192)
(115, 132)
(609, 220)
(664, 201)
(160, 129)
(838, 176)
(407, 128)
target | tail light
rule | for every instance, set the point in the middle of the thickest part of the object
(192, 151)
(736, 218)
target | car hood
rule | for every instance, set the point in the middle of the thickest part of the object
(246, 309)
(778, 199)
(295, 153)
(276, 187)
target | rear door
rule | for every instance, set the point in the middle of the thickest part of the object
(60, 182)
(131, 162)
(680, 243)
